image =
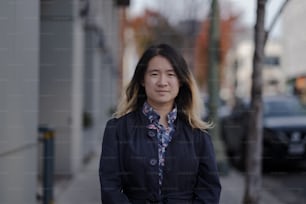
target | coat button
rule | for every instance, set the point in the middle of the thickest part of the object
(151, 134)
(153, 162)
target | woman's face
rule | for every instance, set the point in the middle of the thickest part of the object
(160, 82)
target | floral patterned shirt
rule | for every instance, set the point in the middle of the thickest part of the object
(164, 135)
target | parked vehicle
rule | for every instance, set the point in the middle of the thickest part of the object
(284, 131)
(223, 109)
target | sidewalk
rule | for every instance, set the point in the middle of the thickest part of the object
(233, 190)
(85, 188)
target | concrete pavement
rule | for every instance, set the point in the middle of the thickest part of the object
(85, 189)
(233, 190)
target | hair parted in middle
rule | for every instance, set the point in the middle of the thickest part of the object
(188, 101)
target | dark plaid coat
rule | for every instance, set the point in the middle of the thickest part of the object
(129, 164)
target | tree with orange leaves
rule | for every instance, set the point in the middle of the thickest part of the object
(151, 28)
(227, 28)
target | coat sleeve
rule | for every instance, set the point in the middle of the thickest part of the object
(208, 187)
(109, 170)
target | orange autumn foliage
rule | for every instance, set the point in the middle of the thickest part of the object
(152, 28)
(202, 47)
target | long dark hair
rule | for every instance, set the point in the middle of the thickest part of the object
(188, 100)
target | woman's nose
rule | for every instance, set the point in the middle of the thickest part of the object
(162, 80)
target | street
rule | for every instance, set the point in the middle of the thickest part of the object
(289, 184)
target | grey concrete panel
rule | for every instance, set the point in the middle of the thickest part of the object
(55, 73)
(18, 176)
(57, 7)
(19, 73)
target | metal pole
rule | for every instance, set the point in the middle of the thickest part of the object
(213, 85)
(48, 164)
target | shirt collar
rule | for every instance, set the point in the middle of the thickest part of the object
(153, 116)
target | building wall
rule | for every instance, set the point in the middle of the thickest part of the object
(61, 81)
(106, 63)
(240, 70)
(42, 82)
(78, 74)
(19, 50)
(294, 38)
(294, 41)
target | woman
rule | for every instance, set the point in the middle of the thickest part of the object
(157, 149)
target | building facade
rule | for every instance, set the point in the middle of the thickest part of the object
(238, 76)
(19, 70)
(294, 41)
(58, 69)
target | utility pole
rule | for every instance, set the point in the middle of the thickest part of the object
(122, 5)
(122, 24)
(213, 85)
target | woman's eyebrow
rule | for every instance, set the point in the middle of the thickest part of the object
(158, 70)
(153, 70)
(170, 70)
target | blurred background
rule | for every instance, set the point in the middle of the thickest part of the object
(64, 64)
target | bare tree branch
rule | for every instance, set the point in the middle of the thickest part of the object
(275, 19)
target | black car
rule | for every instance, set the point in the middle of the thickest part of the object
(223, 109)
(284, 131)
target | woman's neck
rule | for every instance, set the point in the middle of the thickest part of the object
(163, 117)
(162, 111)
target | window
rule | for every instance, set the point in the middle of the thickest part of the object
(272, 60)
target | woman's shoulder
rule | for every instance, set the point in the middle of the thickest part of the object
(202, 132)
(195, 131)
(122, 119)
(197, 134)
(200, 135)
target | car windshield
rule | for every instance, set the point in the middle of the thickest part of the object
(283, 108)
